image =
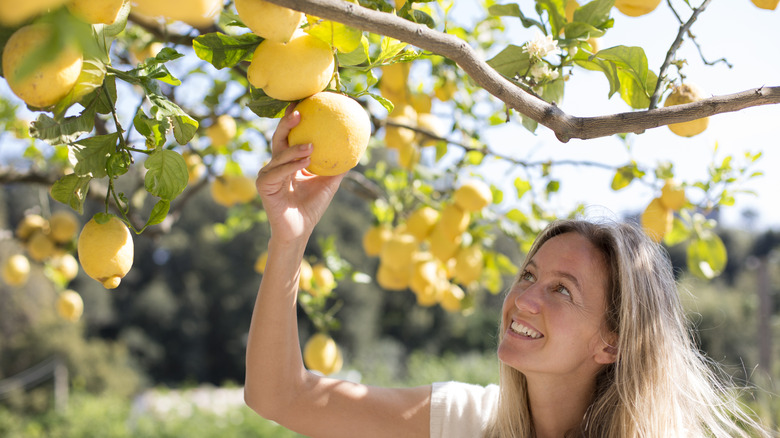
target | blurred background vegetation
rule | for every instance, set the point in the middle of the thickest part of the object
(177, 326)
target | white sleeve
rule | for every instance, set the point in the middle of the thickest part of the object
(461, 410)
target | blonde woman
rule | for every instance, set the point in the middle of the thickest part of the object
(593, 341)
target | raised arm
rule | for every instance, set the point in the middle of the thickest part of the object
(277, 385)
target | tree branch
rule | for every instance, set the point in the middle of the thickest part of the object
(564, 126)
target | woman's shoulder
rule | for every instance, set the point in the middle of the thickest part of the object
(461, 409)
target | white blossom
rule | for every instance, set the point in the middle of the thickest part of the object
(541, 46)
(540, 72)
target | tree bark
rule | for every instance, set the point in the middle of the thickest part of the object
(564, 126)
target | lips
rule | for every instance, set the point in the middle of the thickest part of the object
(524, 330)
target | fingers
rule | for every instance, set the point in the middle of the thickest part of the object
(290, 119)
(284, 165)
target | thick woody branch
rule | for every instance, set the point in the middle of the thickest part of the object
(564, 125)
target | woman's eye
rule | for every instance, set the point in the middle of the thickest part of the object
(527, 276)
(562, 289)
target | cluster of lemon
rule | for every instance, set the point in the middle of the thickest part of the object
(48, 241)
(426, 253)
(321, 353)
(411, 109)
(658, 217)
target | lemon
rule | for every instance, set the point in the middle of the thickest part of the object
(473, 195)
(445, 90)
(193, 12)
(322, 280)
(52, 80)
(40, 246)
(229, 190)
(322, 354)
(686, 93)
(16, 270)
(766, 4)
(106, 251)
(594, 43)
(338, 129)
(425, 274)
(421, 222)
(220, 192)
(398, 251)
(195, 166)
(293, 70)
(66, 266)
(70, 306)
(442, 245)
(96, 11)
(422, 103)
(395, 76)
(452, 298)
(392, 279)
(270, 21)
(222, 131)
(13, 13)
(636, 8)
(262, 259)
(141, 53)
(468, 264)
(657, 220)
(306, 276)
(375, 237)
(571, 5)
(30, 224)
(63, 226)
(454, 220)
(399, 137)
(673, 195)
(430, 123)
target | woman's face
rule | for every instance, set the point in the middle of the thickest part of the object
(553, 317)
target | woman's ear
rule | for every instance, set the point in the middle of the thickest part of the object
(608, 351)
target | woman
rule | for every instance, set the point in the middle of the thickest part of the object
(593, 340)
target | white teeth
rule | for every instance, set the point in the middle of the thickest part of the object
(525, 331)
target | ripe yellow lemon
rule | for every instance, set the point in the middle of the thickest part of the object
(70, 306)
(766, 4)
(636, 8)
(657, 220)
(13, 13)
(338, 129)
(193, 12)
(322, 354)
(270, 21)
(51, 81)
(16, 270)
(421, 222)
(40, 246)
(306, 276)
(322, 280)
(398, 251)
(673, 195)
(454, 220)
(452, 298)
(262, 259)
(686, 93)
(96, 11)
(468, 264)
(229, 190)
(421, 102)
(571, 5)
(430, 123)
(30, 224)
(394, 78)
(442, 245)
(375, 237)
(66, 266)
(195, 166)
(293, 70)
(473, 195)
(392, 279)
(425, 274)
(222, 130)
(106, 251)
(63, 226)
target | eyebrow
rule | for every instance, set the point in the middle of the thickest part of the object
(563, 274)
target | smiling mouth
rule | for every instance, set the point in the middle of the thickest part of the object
(524, 331)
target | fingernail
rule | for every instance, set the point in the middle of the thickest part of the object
(306, 146)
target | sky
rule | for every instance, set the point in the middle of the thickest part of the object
(736, 30)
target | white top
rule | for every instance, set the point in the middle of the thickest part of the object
(461, 410)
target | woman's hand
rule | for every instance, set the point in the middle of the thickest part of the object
(294, 199)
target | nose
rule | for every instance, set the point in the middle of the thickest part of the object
(529, 299)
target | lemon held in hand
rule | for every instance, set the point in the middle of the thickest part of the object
(338, 129)
(106, 251)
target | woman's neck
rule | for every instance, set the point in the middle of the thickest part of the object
(558, 405)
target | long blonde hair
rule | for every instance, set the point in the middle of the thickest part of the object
(660, 384)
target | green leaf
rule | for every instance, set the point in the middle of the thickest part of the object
(553, 91)
(609, 69)
(152, 129)
(91, 154)
(707, 256)
(158, 213)
(93, 72)
(631, 60)
(166, 175)
(555, 13)
(71, 190)
(679, 233)
(474, 157)
(265, 106)
(635, 94)
(522, 186)
(581, 30)
(510, 62)
(65, 131)
(105, 103)
(595, 13)
(357, 56)
(623, 177)
(344, 38)
(513, 10)
(184, 126)
(223, 51)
